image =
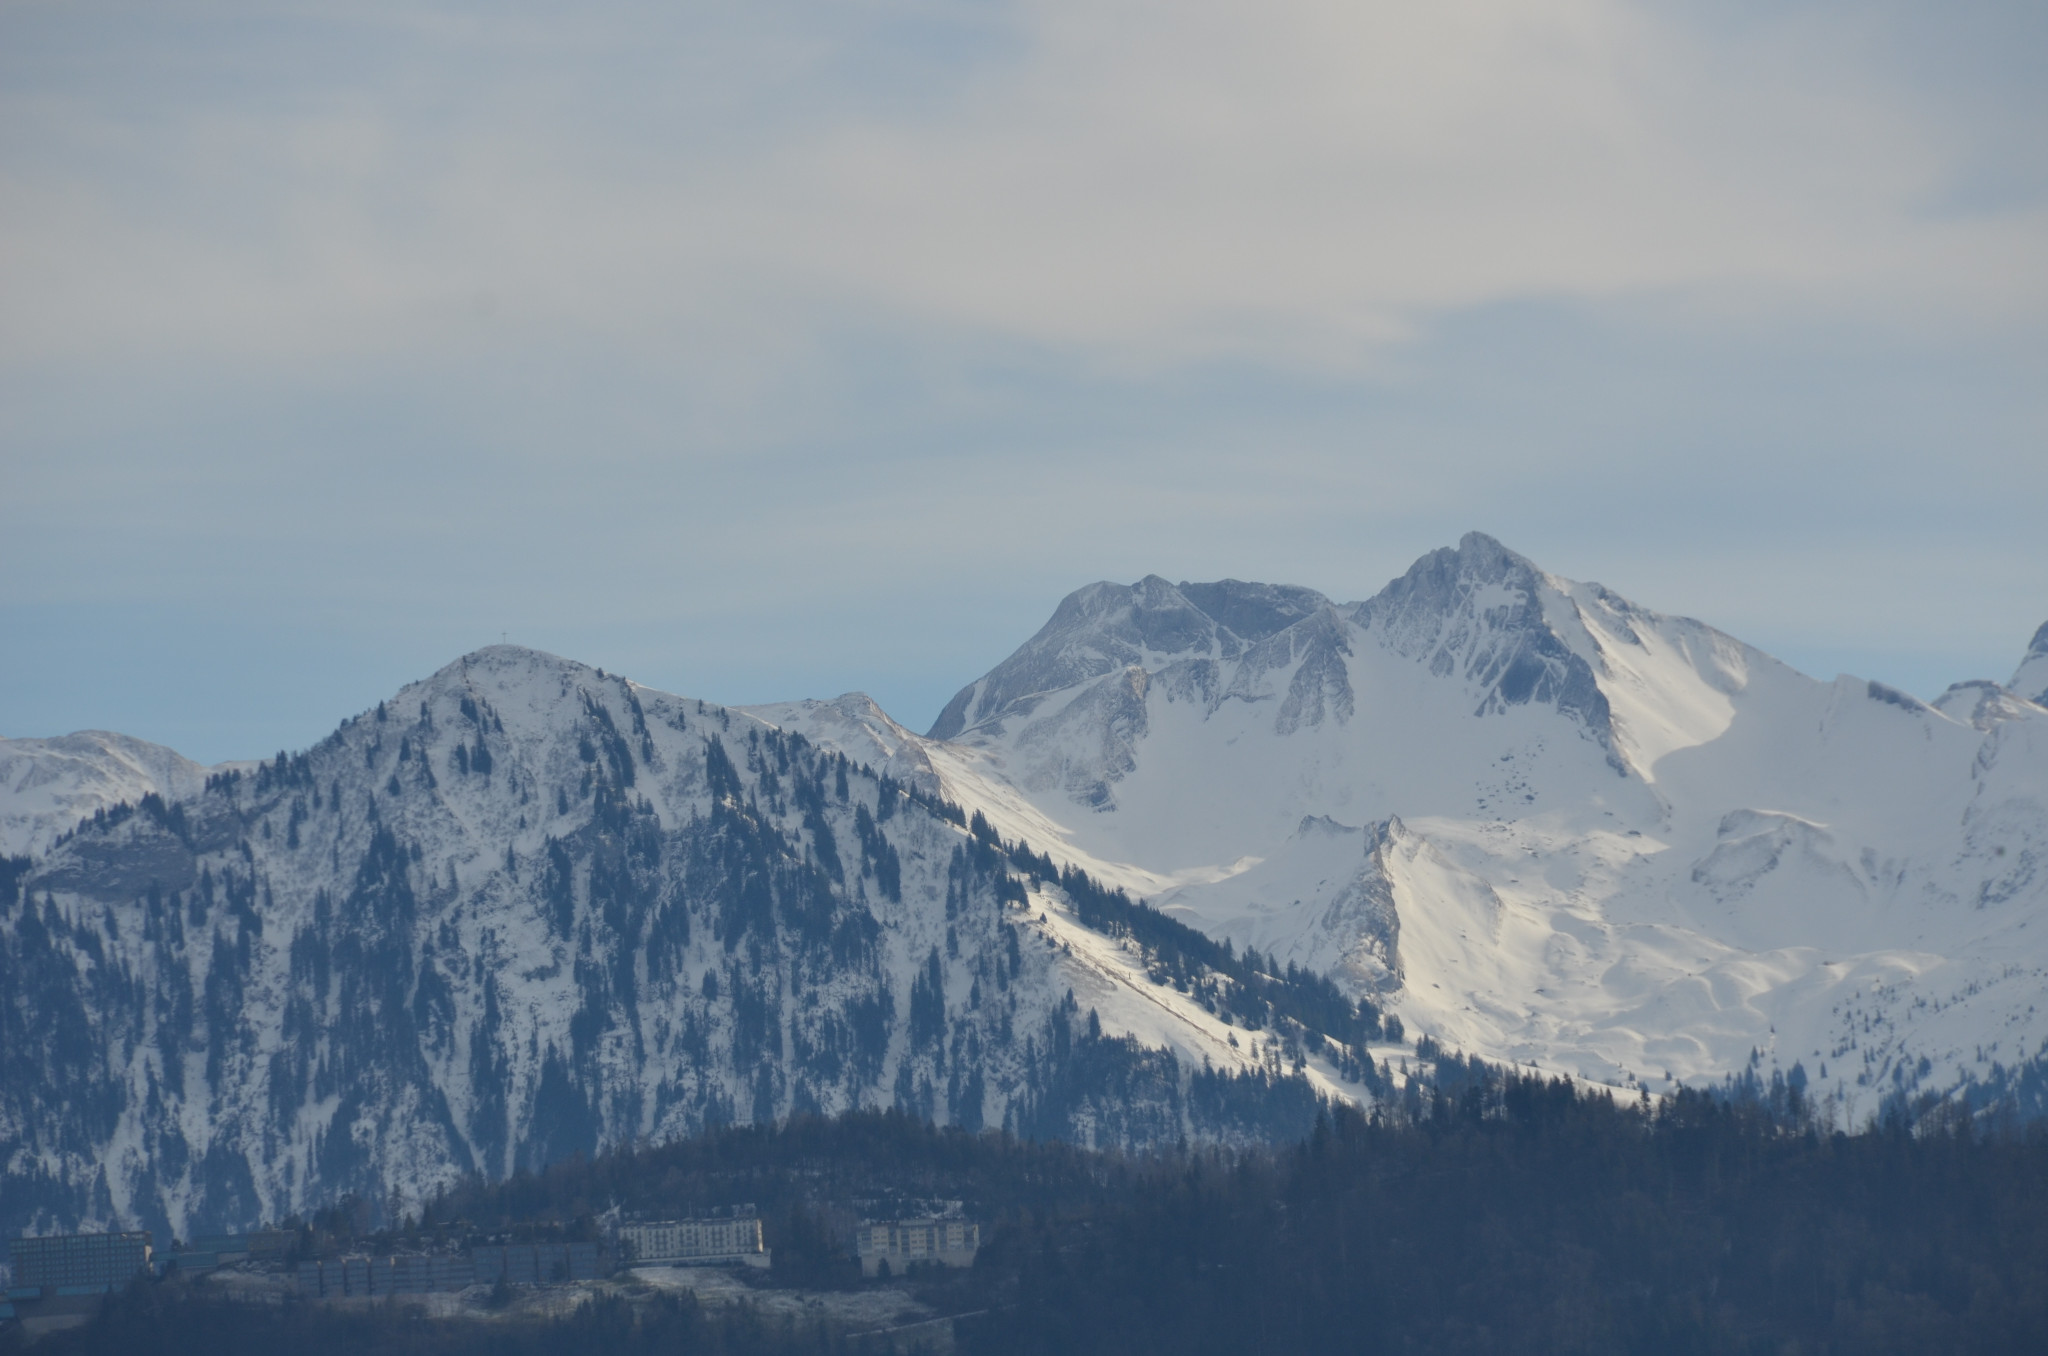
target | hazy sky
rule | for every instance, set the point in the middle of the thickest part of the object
(762, 350)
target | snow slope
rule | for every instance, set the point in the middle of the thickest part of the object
(48, 785)
(525, 908)
(858, 727)
(1547, 824)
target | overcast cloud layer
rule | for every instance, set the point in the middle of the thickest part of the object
(765, 350)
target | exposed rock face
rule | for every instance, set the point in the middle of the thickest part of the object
(1105, 628)
(1477, 613)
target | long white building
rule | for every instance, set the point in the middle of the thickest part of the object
(695, 1242)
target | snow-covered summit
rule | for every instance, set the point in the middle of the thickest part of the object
(48, 785)
(1105, 627)
(1486, 614)
(1553, 824)
(525, 907)
(856, 725)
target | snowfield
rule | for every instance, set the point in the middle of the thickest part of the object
(48, 785)
(1546, 824)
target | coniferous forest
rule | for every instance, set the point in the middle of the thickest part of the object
(1510, 1214)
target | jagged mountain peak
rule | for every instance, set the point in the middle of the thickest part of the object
(1454, 579)
(1476, 556)
(1983, 704)
(1487, 614)
(1253, 611)
(1076, 709)
(1103, 627)
(1698, 807)
(2030, 679)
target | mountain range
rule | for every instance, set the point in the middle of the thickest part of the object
(525, 908)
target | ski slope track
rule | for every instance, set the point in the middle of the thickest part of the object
(1548, 826)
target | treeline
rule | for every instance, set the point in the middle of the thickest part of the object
(161, 1322)
(1248, 990)
(1512, 1214)
(1518, 1216)
(796, 1168)
(171, 817)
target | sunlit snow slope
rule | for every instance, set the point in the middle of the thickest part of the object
(525, 908)
(1547, 824)
(48, 785)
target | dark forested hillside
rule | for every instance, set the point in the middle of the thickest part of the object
(1512, 1215)
(1521, 1218)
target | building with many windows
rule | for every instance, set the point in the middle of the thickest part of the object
(903, 1243)
(423, 1273)
(417, 1274)
(695, 1242)
(76, 1264)
(535, 1263)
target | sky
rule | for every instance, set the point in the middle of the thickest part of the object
(764, 350)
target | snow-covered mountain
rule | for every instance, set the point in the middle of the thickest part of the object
(1546, 824)
(524, 908)
(859, 728)
(48, 785)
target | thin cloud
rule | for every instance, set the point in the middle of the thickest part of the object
(1148, 183)
(837, 341)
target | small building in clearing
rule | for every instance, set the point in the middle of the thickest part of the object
(903, 1243)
